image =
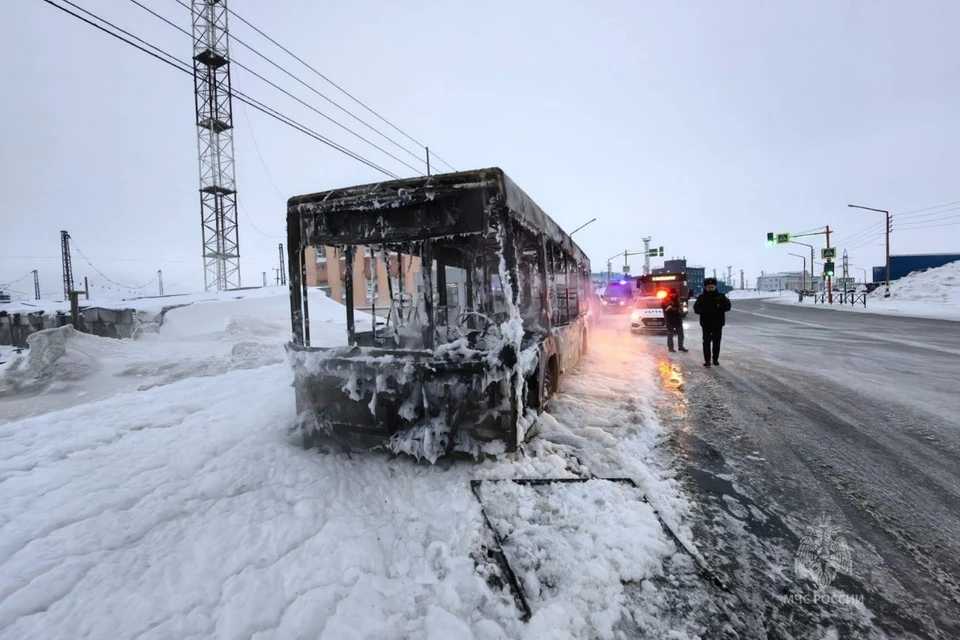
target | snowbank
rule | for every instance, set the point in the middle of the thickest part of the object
(934, 293)
(206, 337)
(747, 294)
(169, 497)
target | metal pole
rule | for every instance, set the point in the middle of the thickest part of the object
(160, 281)
(428, 161)
(887, 292)
(36, 285)
(888, 230)
(829, 278)
(581, 227)
(646, 255)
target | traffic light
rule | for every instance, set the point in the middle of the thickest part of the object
(828, 269)
(770, 239)
(660, 252)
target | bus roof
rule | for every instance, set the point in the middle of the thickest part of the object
(469, 192)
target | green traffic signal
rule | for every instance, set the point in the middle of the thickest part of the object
(828, 269)
(770, 239)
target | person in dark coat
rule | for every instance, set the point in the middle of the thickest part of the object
(673, 314)
(711, 306)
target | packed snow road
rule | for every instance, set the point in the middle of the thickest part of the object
(179, 504)
(830, 423)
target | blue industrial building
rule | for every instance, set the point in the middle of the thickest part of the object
(903, 265)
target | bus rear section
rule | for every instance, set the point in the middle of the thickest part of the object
(478, 306)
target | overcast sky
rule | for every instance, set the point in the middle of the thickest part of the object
(702, 124)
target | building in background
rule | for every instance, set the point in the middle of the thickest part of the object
(787, 281)
(902, 265)
(371, 286)
(325, 269)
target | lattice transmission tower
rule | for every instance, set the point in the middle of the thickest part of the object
(213, 100)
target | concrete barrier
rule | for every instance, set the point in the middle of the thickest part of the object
(106, 323)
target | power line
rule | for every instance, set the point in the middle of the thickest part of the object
(932, 226)
(182, 66)
(284, 91)
(920, 217)
(74, 245)
(255, 228)
(938, 206)
(344, 91)
(323, 115)
(246, 117)
(855, 236)
(907, 225)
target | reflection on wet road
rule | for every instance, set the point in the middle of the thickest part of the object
(840, 429)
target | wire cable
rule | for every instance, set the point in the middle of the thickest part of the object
(342, 90)
(73, 245)
(182, 66)
(255, 51)
(7, 284)
(284, 91)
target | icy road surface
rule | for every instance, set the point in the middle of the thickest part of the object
(152, 489)
(817, 414)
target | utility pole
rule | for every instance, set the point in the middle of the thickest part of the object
(67, 265)
(829, 278)
(86, 287)
(36, 285)
(264, 278)
(889, 228)
(283, 270)
(714, 274)
(160, 281)
(846, 269)
(646, 254)
(741, 279)
(730, 275)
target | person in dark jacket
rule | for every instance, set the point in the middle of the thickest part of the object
(711, 306)
(673, 314)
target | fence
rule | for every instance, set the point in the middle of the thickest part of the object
(841, 298)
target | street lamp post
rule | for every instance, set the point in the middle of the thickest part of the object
(887, 214)
(803, 274)
(811, 264)
(581, 226)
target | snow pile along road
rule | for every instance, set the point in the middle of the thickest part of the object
(934, 293)
(184, 506)
(939, 286)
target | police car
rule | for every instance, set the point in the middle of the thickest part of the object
(647, 315)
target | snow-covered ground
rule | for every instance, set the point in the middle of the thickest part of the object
(743, 294)
(147, 306)
(934, 293)
(153, 488)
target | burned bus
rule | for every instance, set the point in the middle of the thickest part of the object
(488, 309)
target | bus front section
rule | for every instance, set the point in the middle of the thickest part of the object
(438, 350)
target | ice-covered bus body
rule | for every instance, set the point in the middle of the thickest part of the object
(463, 362)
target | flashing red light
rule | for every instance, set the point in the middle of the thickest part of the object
(662, 293)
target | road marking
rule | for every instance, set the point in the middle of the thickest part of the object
(763, 315)
(907, 343)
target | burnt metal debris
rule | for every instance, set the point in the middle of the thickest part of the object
(498, 555)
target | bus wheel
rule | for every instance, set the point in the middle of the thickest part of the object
(550, 378)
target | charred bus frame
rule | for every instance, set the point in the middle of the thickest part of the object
(437, 376)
